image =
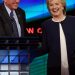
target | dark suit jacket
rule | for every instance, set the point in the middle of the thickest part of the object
(51, 44)
(5, 23)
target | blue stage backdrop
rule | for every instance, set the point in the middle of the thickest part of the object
(36, 9)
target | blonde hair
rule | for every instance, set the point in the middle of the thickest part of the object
(63, 3)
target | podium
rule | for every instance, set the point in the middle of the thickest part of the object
(15, 55)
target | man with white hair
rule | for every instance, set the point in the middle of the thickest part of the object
(12, 19)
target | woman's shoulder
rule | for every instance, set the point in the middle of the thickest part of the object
(47, 22)
(71, 17)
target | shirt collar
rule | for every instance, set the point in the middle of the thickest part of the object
(8, 9)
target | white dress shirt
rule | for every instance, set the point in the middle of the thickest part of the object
(16, 19)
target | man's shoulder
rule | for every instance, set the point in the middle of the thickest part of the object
(1, 6)
(20, 9)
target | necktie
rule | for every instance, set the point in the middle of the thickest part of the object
(64, 60)
(14, 25)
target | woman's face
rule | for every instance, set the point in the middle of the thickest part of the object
(56, 7)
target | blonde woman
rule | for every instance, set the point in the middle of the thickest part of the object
(59, 40)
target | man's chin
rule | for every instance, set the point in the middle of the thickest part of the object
(15, 8)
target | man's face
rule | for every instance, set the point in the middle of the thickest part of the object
(12, 4)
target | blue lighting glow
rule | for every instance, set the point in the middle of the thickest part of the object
(14, 59)
(3, 59)
(24, 59)
(36, 9)
(13, 52)
(3, 52)
(14, 56)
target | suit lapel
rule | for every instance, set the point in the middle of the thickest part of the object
(20, 19)
(6, 20)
